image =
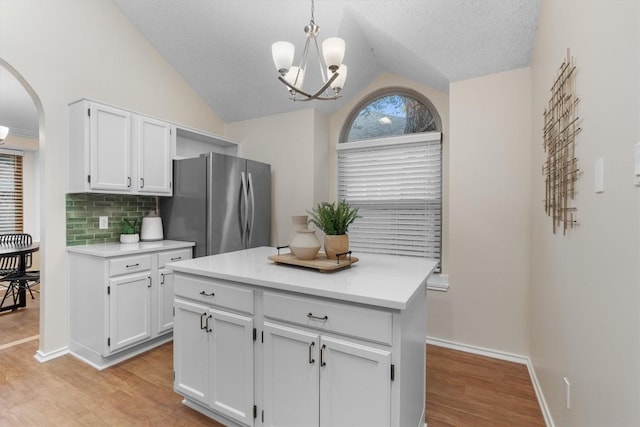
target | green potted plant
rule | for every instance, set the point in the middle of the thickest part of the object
(334, 220)
(128, 230)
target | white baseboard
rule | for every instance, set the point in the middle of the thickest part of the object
(481, 351)
(45, 357)
(501, 355)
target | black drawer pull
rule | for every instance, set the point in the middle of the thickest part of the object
(176, 258)
(324, 318)
(203, 293)
(133, 265)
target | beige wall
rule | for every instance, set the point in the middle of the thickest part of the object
(489, 196)
(295, 145)
(585, 287)
(69, 49)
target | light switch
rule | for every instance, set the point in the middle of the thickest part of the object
(103, 222)
(598, 175)
(636, 169)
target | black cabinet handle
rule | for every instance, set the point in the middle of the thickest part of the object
(203, 293)
(202, 316)
(176, 258)
(133, 265)
(311, 360)
(207, 324)
(322, 362)
(323, 318)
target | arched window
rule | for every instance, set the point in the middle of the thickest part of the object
(390, 168)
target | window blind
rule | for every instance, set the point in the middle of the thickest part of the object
(11, 194)
(397, 185)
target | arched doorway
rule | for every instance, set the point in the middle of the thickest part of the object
(22, 112)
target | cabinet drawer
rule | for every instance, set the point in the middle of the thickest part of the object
(130, 264)
(173, 256)
(369, 324)
(214, 292)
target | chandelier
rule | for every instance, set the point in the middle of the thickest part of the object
(332, 71)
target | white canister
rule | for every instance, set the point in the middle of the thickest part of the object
(151, 228)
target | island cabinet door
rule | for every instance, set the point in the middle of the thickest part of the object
(164, 313)
(129, 310)
(231, 364)
(355, 384)
(291, 383)
(191, 350)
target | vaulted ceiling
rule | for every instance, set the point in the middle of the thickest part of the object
(222, 48)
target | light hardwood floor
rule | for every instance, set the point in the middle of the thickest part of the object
(462, 389)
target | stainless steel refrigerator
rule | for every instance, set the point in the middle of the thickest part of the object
(221, 202)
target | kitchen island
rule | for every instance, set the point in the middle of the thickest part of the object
(256, 343)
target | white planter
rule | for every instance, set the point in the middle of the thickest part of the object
(129, 238)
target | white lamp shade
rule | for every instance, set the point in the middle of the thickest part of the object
(338, 83)
(295, 77)
(4, 131)
(333, 52)
(282, 53)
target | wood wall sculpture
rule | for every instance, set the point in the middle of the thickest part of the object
(560, 168)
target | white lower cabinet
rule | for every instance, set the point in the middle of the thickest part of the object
(129, 310)
(120, 305)
(316, 380)
(213, 359)
(249, 356)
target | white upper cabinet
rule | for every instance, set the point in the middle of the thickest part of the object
(112, 150)
(154, 156)
(109, 148)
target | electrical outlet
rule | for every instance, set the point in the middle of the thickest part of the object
(567, 392)
(104, 222)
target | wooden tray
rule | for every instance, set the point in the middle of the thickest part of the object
(320, 263)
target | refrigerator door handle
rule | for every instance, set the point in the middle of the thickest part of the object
(253, 208)
(245, 197)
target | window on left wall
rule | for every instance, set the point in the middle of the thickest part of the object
(11, 199)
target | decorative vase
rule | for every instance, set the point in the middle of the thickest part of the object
(336, 245)
(129, 238)
(305, 245)
(298, 222)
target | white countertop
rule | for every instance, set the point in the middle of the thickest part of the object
(380, 280)
(108, 250)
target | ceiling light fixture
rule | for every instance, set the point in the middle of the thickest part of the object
(332, 70)
(4, 131)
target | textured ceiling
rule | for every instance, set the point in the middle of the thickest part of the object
(223, 47)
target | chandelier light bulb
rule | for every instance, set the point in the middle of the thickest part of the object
(333, 52)
(282, 53)
(338, 83)
(295, 77)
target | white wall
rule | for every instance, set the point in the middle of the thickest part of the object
(295, 145)
(585, 287)
(69, 49)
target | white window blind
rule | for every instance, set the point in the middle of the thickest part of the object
(11, 194)
(397, 185)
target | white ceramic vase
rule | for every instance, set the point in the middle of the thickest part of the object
(305, 245)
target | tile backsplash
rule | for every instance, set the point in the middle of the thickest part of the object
(84, 210)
